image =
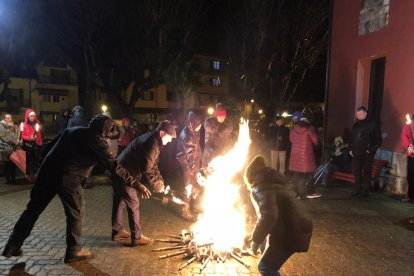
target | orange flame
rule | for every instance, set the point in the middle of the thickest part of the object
(222, 222)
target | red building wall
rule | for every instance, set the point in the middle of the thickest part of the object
(349, 69)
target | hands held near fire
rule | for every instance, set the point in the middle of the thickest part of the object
(145, 193)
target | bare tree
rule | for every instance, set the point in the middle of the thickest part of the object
(273, 44)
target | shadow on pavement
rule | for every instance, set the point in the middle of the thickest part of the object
(86, 268)
(18, 269)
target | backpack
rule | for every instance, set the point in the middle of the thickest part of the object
(297, 219)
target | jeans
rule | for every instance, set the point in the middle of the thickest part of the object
(70, 191)
(125, 196)
(272, 259)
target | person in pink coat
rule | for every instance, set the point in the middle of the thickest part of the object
(32, 141)
(303, 138)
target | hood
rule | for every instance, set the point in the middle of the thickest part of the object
(101, 125)
(26, 115)
(78, 111)
(193, 120)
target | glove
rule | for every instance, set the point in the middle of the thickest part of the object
(145, 193)
(254, 247)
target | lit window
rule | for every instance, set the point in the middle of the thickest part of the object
(148, 95)
(215, 82)
(216, 65)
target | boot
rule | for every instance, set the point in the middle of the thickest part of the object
(143, 240)
(120, 235)
(78, 255)
(12, 251)
(186, 214)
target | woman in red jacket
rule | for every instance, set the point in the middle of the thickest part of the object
(408, 143)
(302, 158)
(32, 140)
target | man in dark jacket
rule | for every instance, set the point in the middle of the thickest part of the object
(189, 156)
(365, 140)
(279, 144)
(63, 172)
(217, 135)
(140, 158)
(78, 117)
(281, 217)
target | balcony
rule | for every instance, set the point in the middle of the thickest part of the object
(66, 80)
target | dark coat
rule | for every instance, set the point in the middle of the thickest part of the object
(78, 150)
(78, 118)
(280, 214)
(140, 158)
(188, 148)
(365, 135)
(278, 137)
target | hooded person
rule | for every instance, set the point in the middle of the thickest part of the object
(217, 136)
(189, 157)
(127, 135)
(32, 141)
(70, 160)
(282, 219)
(78, 117)
(140, 158)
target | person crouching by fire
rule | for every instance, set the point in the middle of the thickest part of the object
(282, 219)
(408, 143)
(189, 157)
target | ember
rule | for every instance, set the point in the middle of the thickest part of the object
(220, 229)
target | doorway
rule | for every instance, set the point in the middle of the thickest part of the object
(376, 88)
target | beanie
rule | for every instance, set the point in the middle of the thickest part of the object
(255, 166)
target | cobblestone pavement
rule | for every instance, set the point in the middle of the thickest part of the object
(351, 237)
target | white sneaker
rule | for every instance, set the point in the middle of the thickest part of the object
(314, 195)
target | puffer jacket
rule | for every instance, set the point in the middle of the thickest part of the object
(128, 134)
(141, 156)
(29, 130)
(365, 136)
(189, 150)
(280, 214)
(302, 158)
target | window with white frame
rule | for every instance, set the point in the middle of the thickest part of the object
(216, 82)
(216, 65)
(148, 95)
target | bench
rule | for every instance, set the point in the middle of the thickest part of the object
(377, 166)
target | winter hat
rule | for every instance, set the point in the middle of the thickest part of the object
(220, 110)
(168, 128)
(297, 114)
(256, 166)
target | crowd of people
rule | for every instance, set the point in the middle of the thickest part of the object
(131, 161)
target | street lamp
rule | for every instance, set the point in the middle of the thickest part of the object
(210, 110)
(104, 108)
(252, 100)
(260, 111)
(285, 114)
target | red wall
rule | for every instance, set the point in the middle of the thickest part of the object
(396, 42)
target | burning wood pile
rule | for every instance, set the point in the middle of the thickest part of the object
(219, 232)
(185, 245)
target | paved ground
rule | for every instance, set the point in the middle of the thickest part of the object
(351, 237)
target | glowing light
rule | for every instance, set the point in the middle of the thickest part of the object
(104, 108)
(210, 111)
(223, 220)
(37, 127)
(188, 189)
(408, 119)
(285, 114)
(260, 111)
(21, 126)
(252, 100)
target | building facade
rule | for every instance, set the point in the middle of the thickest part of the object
(371, 64)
